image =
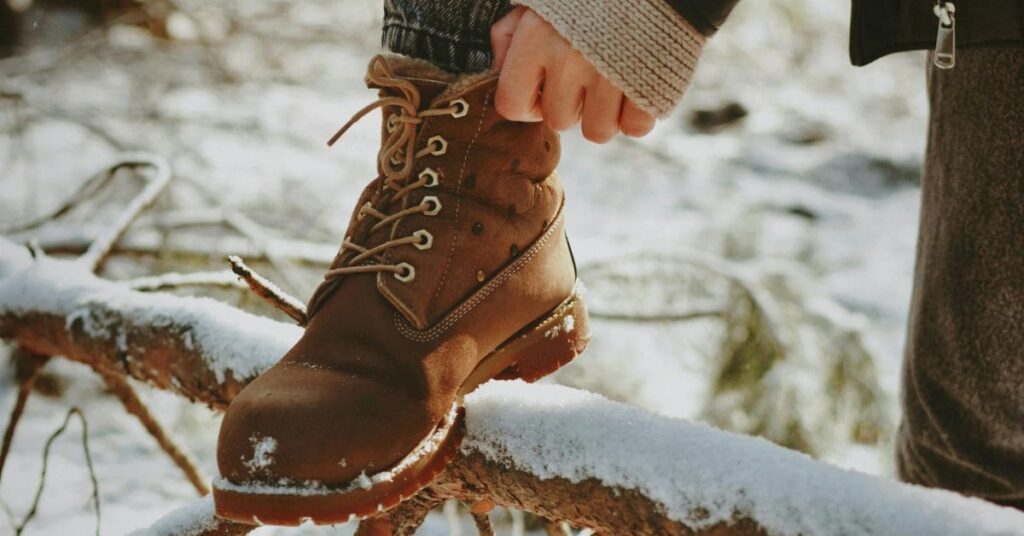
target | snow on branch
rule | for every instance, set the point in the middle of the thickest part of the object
(560, 453)
(197, 347)
(574, 456)
(697, 476)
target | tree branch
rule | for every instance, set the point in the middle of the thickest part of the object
(161, 177)
(196, 347)
(556, 452)
(173, 280)
(269, 292)
(27, 367)
(133, 404)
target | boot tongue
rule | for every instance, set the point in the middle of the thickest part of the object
(430, 82)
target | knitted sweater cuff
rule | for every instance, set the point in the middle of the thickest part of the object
(644, 47)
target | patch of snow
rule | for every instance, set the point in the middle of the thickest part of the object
(263, 453)
(13, 257)
(283, 486)
(703, 476)
(364, 481)
(193, 519)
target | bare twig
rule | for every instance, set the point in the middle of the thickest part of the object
(655, 318)
(27, 367)
(85, 191)
(183, 247)
(269, 292)
(97, 253)
(46, 459)
(404, 519)
(255, 232)
(134, 405)
(218, 278)
(483, 523)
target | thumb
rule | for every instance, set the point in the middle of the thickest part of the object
(501, 35)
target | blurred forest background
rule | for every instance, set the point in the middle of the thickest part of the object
(748, 264)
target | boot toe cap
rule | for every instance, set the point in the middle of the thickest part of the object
(303, 424)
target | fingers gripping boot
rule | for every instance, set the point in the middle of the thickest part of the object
(454, 270)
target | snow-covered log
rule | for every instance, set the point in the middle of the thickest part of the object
(561, 453)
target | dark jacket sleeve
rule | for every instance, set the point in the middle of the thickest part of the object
(705, 15)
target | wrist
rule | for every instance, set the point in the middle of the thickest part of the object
(644, 47)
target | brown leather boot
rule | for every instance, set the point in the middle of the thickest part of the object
(455, 270)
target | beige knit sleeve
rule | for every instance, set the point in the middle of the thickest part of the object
(644, 47)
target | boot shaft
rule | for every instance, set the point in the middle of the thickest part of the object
(489, 183)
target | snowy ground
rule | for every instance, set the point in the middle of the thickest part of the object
(810, 200)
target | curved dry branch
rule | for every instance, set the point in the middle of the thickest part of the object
(119, 386)
(100, 249)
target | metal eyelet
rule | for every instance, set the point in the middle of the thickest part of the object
(462, 107)
(433, 179)
(438, 145)
(407, 274)
(426, 239)
(437, 205)
(362, 211)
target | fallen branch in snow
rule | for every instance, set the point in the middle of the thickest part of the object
(562, 454)
(134, 405)
(27, 366)
(100, 248)
(570, 455)
(196, 347)
(46, 460)
(33, 358)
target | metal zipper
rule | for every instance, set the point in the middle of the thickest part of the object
(945, 39)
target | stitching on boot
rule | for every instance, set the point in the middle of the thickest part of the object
(458, 205)
(411, 333)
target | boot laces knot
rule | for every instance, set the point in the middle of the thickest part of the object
(396, 160)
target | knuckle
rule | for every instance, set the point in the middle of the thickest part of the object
(558, 122)
(635, 129)
(598, 134)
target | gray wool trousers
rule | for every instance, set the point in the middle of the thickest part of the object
(454, 35)
(963, 378)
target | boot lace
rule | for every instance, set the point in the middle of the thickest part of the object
(396, 160)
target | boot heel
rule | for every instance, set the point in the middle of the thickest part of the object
(539, 349)
(550, 344)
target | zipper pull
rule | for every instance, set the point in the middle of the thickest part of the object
(945, 40)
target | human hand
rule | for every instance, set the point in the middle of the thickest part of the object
(544, 79)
